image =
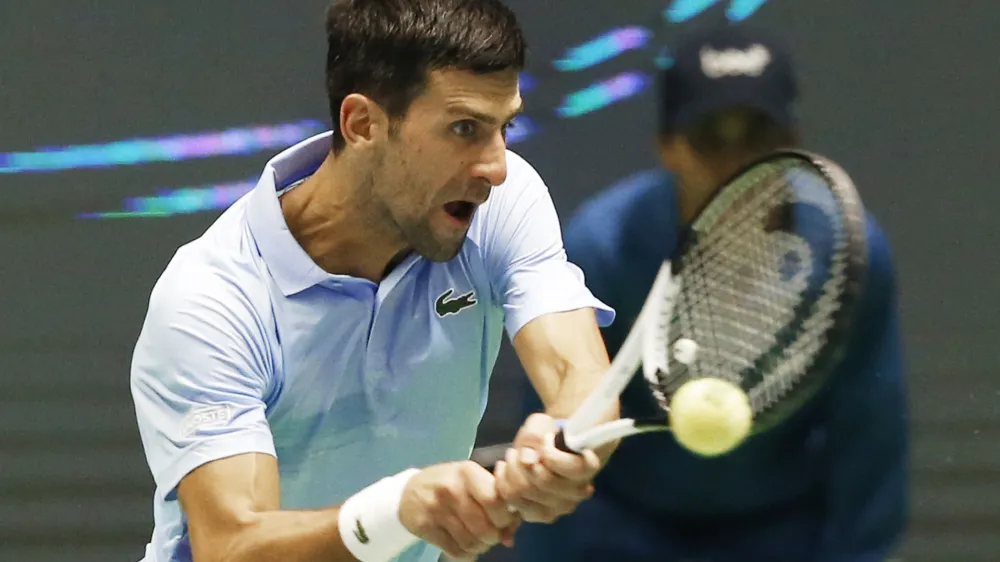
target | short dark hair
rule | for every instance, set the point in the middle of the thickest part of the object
(385, 49)
(739, 131)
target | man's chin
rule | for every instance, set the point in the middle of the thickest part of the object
(442, 251)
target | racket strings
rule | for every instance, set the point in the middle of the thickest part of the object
(741, 312)
(725, 265)
(704, 320)
(744, 286)
(797, 358)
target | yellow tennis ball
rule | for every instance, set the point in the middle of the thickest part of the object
(710, 416)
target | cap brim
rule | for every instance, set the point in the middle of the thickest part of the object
(692, 114)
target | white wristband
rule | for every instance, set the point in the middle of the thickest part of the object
(369, 520)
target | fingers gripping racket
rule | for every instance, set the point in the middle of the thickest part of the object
(761, 294)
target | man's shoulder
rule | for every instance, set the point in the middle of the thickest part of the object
(518, 164)
(203, 313)
(209, 279)
(522, 187)
(523, 198)
(522, 177)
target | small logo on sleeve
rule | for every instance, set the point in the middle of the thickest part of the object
(204, 418)
(359, 532)
(445, 306)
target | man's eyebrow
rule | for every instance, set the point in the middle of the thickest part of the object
(479, 116)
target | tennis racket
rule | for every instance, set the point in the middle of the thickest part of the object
(764, 287)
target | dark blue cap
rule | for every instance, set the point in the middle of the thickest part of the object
(729, 65)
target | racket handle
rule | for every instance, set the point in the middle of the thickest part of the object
(560, 443)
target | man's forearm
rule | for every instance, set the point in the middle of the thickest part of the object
(289, 536)
(565, 358)
(574, 388)
(576, 385)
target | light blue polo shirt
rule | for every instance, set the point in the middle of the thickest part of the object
(248, 346)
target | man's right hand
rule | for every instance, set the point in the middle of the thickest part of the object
(455, 506)
(233, 508)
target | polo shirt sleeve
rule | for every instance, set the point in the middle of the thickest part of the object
(529, 273)
(199, 377)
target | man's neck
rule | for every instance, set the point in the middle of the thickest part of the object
(331, 216)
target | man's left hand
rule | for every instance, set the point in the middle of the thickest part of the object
(539, 481)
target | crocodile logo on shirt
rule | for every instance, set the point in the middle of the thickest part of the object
(359, 532)
(445, 306)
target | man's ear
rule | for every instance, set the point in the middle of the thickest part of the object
(362, 121)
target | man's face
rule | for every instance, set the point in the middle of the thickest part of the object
(444, 157)
(732, 128)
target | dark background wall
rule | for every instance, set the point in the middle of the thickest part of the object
(901, 92)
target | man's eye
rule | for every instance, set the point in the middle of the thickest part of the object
(464, 129)
(508, 126)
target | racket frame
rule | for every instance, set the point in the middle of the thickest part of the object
(581, 431)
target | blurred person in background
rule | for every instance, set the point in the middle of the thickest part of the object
(829, 484)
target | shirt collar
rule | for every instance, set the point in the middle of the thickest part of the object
(292, 269)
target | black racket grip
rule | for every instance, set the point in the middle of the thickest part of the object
(560, 443)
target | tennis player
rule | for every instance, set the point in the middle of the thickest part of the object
(830, 484)
(312, 369)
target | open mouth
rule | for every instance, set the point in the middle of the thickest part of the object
(461, 211)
